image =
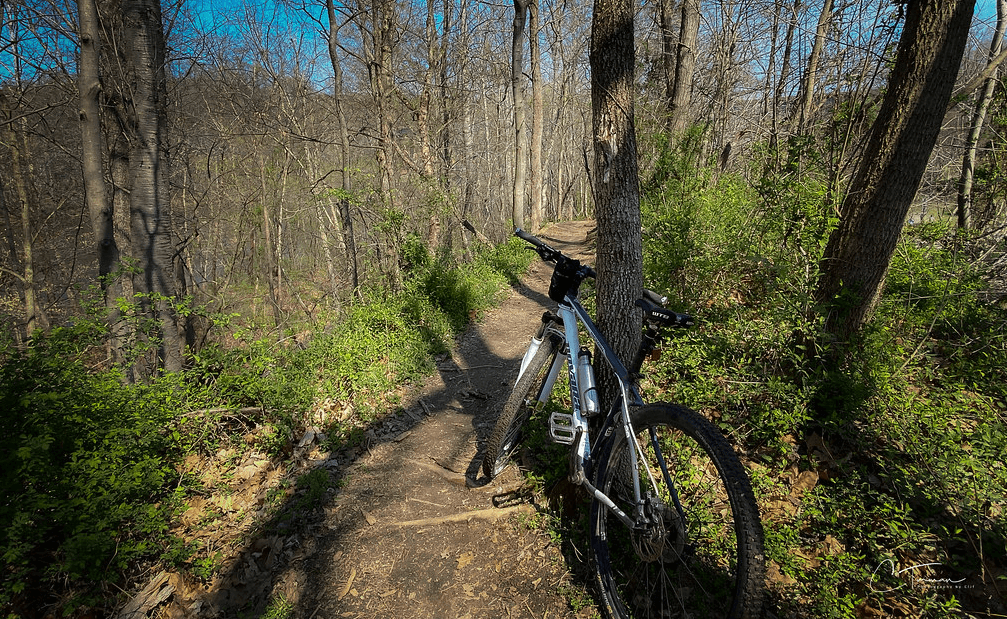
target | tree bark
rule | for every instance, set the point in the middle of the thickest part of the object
(811, 73)
(859, 250)
(96, 195)
(270, 270)
(680, 97)
(150, 216)
(349, 241)
(536, 115)
(781, 84)
(35, 318)
(666, 9)
(965, 179)
(517, 93)
(619, 259)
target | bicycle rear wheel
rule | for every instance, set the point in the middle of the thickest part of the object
(525, 399)
(705, 561)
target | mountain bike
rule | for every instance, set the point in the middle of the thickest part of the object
(674, 526)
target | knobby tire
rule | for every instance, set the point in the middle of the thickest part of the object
(709, 564)
(522, 402)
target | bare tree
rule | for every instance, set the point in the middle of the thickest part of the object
(150, 215)
(811, 71)
(338, 96)
(785, 64)
(680, 97)
(17, 144)
(99, 204)
(536, 114)
(517, 94)
(965, 179)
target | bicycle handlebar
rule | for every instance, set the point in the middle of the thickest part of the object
(550, 254)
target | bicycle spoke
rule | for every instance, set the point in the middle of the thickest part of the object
(684, 563)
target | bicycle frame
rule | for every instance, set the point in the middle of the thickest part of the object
(571, 313)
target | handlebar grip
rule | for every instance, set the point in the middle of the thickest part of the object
(531, 238)
(654, 297)
(551, 254)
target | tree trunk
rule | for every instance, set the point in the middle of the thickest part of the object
(811, 73)
(781, 85)
(616, 181)
(724, 63)
(859, 250)
(517, 94)
(379, 68)
(666, 20)
(96, 195)
(767, 86)
(427, 140)
(536, 115)
(269, 270)
(34, 317)
(349, 241)
(685, 66)
(978, 119)
(150, 218)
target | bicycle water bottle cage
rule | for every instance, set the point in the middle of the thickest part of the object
(565, 280)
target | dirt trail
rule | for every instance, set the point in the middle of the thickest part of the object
(405, 537)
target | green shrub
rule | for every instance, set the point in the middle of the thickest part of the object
(88, 462)
(88, 467)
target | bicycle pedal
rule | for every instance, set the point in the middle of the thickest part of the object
(561, 428)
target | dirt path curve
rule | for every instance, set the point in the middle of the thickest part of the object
(405, 537)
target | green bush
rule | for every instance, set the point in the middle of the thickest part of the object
(89, 462)
(912, 418)
(88, 467)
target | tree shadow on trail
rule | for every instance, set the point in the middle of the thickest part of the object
(318, 547)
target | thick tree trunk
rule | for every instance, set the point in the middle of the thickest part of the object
(616, 180)
(150, 218)
(965, 180)
(857, 256)
(96, 195)
(517, 93)
(680, 97)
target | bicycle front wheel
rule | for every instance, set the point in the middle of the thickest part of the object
(704, 559)
(526, 397)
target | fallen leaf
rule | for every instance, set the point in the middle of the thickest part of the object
(349, 583)
(805, 482)
(464, 559)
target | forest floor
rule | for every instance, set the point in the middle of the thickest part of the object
(399, 524)
(393, 527)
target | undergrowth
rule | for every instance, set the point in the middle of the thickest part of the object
(881, 480)
(91, 465)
